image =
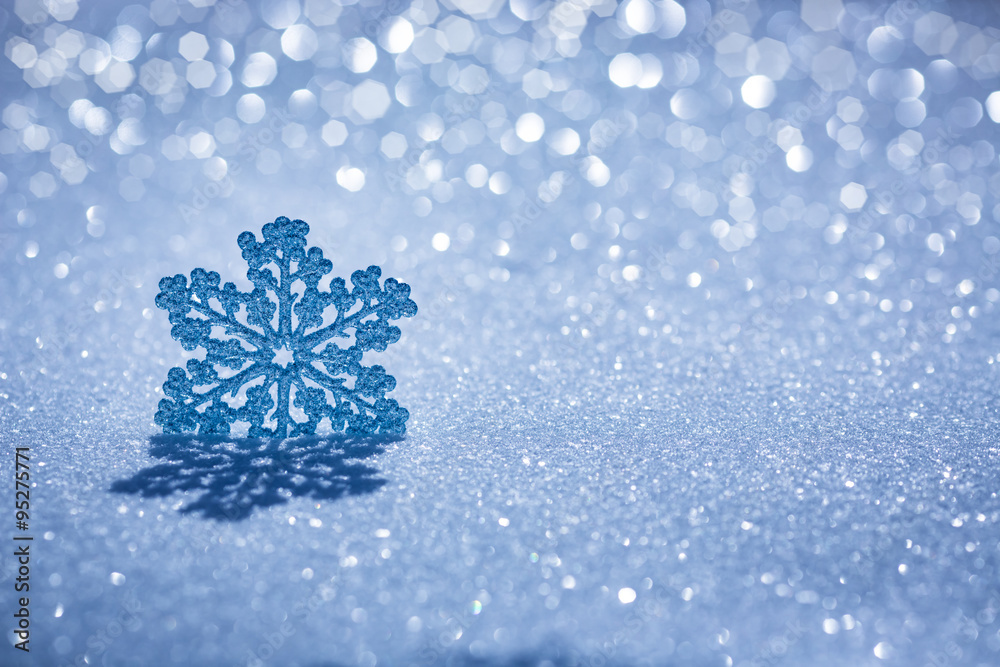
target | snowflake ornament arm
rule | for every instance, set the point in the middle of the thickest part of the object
(281, 352)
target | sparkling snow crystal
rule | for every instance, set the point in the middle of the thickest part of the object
(281, 352)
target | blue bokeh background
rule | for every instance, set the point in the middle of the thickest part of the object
(704, 368)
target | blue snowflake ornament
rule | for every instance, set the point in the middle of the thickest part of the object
(280, 351)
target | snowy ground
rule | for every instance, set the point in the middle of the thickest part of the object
(721, 393)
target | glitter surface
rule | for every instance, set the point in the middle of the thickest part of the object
(705, 366)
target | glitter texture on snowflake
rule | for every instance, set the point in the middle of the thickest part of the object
(269, 356)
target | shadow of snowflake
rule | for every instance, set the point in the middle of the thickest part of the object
(231, 477)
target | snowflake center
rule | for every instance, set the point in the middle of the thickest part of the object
(283, 356)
